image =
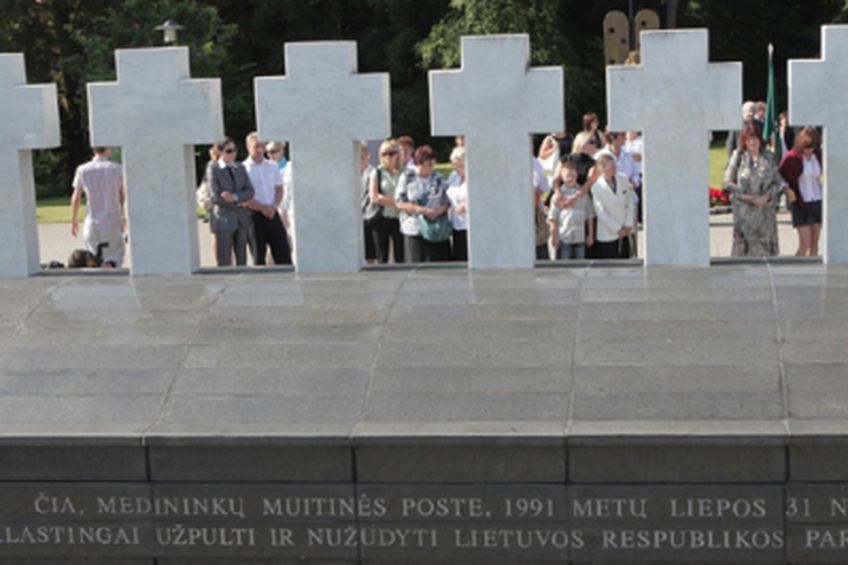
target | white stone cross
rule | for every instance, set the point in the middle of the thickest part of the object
(675, 97)
(496, 100)
(156, 113)
(817, 96)
(29, 119)
(323, 107)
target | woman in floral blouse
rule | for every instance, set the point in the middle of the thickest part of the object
(753, 180)
(422, 196)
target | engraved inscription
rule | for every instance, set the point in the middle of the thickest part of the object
(639, 523)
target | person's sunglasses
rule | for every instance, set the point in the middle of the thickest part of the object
(388, 153)
(230, 150)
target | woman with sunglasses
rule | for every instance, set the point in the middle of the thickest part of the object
(385, 230)
(277, 153)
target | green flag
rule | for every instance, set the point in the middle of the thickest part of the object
(770, 129)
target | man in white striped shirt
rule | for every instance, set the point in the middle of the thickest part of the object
(102, 181)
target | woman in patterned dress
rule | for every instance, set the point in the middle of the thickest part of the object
(753, 180)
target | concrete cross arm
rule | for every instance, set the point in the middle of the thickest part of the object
(817, 97)
(29, 112)
(723, 96)
(155, 98)
(496, 84)
(818, 87)
(322, 95)
(674, 81)
(624, 98)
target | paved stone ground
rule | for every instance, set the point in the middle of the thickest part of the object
(550, 349)
(57, 244)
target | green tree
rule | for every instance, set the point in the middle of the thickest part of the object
(557, 37)
(72, 43)
(386, 32)
(741, 31)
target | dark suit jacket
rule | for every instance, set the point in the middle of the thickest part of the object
(228, 216)
(789, 138)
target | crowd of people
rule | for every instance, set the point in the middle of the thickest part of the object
(586, 197)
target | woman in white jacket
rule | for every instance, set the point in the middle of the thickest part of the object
(613, 205)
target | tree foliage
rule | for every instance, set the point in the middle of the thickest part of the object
(71, 43)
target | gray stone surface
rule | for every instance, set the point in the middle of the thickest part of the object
(738, 342)
(642, 98)
(322, 80)
(25, 460)
(518, 100)
(615, 381)
(182, 461)
(156, 112)
(474, 460)
(30, 114)
(801, 75)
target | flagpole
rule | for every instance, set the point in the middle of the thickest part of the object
(770, 129)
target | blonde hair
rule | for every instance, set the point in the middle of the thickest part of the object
(388, 145)
(251, 138)
(580, 140)
(275, 146)
(458, 154)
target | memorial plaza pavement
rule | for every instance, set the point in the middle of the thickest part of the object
(580, 381)
(751, 342)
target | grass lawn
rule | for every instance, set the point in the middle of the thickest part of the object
(58, 210)
(718, 160)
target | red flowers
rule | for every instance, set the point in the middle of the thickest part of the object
(718, 197)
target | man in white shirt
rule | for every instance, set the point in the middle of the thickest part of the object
(268, 186)
(102, 181)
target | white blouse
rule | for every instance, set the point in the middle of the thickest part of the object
(809, 184)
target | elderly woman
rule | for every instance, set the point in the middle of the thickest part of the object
(385, 230)
(802, 170)
(423, 201)
(613, 207)
(458, 196)
(753, 181)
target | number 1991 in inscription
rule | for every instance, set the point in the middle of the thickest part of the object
(529, 508)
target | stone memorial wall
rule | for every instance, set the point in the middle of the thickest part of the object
(812, 103)
(156, 112)
(480, 505)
